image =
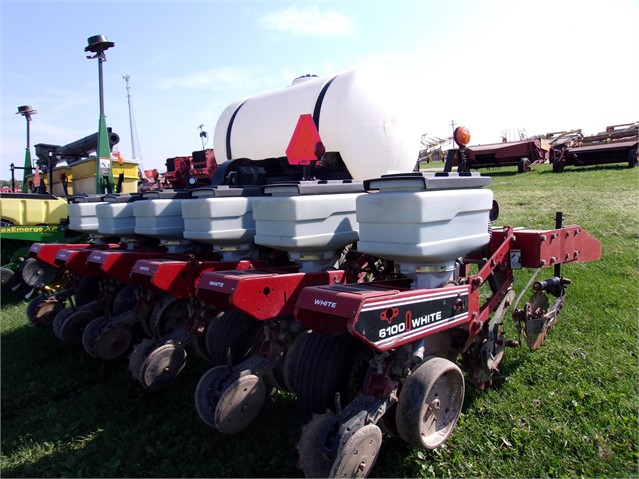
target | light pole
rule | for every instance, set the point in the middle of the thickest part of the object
(98, 44)
(26, 111)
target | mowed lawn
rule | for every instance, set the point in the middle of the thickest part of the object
(569, 409)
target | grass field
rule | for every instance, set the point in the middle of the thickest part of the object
(567, 410)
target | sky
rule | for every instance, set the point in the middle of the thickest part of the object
(496, 67)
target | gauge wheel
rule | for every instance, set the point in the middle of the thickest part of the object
(59, 319)
(72, 328)
(313, 460)
(138, 356)
(162, 366)
(430, 402)
(124, 300)
(208, 392)
(112, 342)
(90, 334)
(239, 404)
(357, 455)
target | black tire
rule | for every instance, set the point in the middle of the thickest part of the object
(632, 158)
(9, 279)
(329, 365)
(88, 290)
(523, 165)
(558, 166)
(236, 331)
(292, 361)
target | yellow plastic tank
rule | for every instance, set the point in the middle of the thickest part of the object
(32, 209)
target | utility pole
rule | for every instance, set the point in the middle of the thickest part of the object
(136, 154)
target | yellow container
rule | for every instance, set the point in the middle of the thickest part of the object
(84, 181)
(58, 190)
(43, 178)
(33, 211)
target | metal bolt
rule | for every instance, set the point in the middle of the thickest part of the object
(543, 262)
(542, 237)
(435, 404)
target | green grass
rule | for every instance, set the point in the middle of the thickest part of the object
(569, 409)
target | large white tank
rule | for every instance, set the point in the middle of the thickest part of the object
(366, 116)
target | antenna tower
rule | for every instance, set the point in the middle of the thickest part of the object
(136, 154)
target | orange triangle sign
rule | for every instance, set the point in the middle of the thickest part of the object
(301, 149)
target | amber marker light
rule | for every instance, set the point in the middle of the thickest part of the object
(462, 136)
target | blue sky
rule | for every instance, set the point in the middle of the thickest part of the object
(494, 66)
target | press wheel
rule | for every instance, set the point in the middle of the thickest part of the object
(313, 460)
(72, 328)
(208, 391)
(356, 456)
(162, 366)
(430, 402)
(239, 404)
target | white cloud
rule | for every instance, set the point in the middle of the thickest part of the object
(309, 21)
(222, 79)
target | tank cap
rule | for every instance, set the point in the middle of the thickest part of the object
(225, 191)
(314, 187)
(427, 181)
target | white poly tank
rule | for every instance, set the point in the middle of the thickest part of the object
(116, 218)
(366, 116)
(424, 219)
(83, 216)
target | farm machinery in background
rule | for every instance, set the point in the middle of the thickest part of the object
(618, 144)
(317, 264)
(67, 172)
(41, 215)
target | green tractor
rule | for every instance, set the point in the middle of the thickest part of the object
(27, 218)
